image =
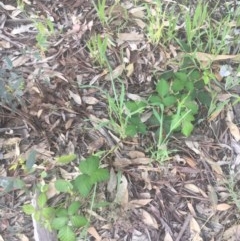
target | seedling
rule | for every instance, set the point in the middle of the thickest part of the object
(97, 46)
(67, 218)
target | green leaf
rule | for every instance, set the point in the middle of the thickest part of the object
(59, 222)
(28, 209)
(41, 200)
(189, 86)
(66, 234)
(182, 76)
(73, 207)
(83, 184)
(162, 87)
(65, 159)
(192, 105)
(61, 212)
(178, 85)
(155, 100)
(141, 128)
(131, 130)
(31, 159)
(48, 212)
(135, 106)
(78, 221)
(169, 100)
(187, 128)
(90, 165)
(63, 185)
(100, 175)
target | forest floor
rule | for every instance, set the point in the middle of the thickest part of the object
(150, 88)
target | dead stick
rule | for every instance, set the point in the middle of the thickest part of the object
(185, 224)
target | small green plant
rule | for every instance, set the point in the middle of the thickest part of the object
(161, 25)
(67, 218)
(11, 84)
(97, 47)
(45, 29)
(100, 8)
(203, 33)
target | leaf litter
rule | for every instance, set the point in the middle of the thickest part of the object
(186, 198)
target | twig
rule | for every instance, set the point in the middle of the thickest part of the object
(185, 224)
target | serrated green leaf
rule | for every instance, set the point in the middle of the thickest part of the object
(100, 175)
(48, 212)
(63, 186)
(65, 159)
(90, 165)
(169, 100)
(83, 184)
(61, 212)
(182, 76)
(78, 221)
(162, 87)
(192, 105)
(41, 200)
(187, 128)
(178, 85)
(155, 100)
(28, 209)
(66, 234)
(131, 130)
(59, 222)
(142, 128)
(73, 207)
(135, 106)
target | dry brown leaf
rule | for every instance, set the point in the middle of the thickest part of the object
(20, 60)
(212, 58)
(233, 128)
(92, 231)
(138, 12)
(22, 237)
(122, 192)
(148, 219)
(130, 69)
(96, 145)
(124, 162)
(140, 23)
(232, 233)
(168, 237)
(135, 154)
(115, 73)
(193, 188)
(191, 162)
(195, 230)
(7, 7)
(75, 97)
(134, 97)
(68, 124)
(131, 36)
(52, 191)
(90, 100)
(223, 207)
(212, 196)
(112, 183)
(138, 236)
(191, 209)
(138, 203)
